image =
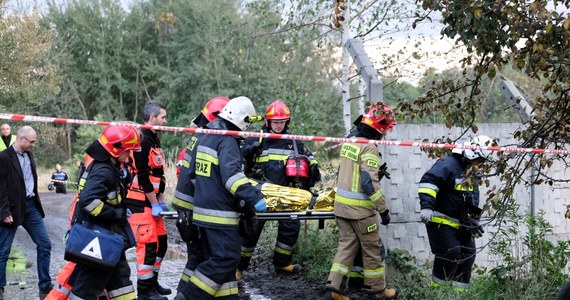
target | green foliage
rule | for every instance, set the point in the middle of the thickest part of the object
(531, 37)
(316, 248)
(532, 267)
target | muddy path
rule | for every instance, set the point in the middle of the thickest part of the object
(260, 282)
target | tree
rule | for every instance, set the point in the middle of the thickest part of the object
(533, 37)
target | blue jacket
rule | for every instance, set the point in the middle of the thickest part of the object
(220, 182)
(443, 188)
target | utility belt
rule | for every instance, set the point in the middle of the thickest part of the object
(440, 218)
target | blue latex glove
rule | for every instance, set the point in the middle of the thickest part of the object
(156, 209)
(260, 206)
(129, 213)
(164, 206)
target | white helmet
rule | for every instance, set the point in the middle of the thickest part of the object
(481, 141)
(237, 111)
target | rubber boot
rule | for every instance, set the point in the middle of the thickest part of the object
(333, 295)
(290, 269)
(159, 289)
(388, 293)
(150, 295)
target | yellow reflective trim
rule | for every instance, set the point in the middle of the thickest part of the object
(207, 157)
(429, 192)
(237, 184)
(283, 251)
(376, 196)
(226, 292)
(182, 203)
(97, 210)
(128, 296)
(266, 158)
(215, 220)
(355, 178)
(340, 268)
(353, 274)
(206, 288)
(186, 164)
(461, 187)
(115, 201)
(444, 221)
(374, 273)
(246, 254)
(353, 202)
(185, 277)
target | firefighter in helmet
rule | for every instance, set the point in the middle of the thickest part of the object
(184, 196)
(358, 201)
(282, 162)
(222, 193)
(450, 209)
(101, 203)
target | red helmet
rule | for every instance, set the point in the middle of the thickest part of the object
(117, 139)
(214, 106)
(277, 111)
(380, 117)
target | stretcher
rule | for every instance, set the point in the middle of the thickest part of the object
(287, 203)
(276, 216)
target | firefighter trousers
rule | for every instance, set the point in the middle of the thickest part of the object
(90, 282)
(287, 235)
(214, 277)
(454, 252)
(64, 283)
(355, 235)
(152, 244)
(196, 255)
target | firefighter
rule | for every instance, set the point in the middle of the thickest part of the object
(266, 159)
(358, 201)
(100, 203)
(222, 193)
(449, 207)
(145, 199)
(184, 196)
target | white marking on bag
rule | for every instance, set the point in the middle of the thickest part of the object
(93, 249)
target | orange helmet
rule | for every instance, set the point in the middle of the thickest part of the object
(277, 111)
(213, 107)
(380, 117)
(117, 139)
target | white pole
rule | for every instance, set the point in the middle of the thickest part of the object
(345, 65)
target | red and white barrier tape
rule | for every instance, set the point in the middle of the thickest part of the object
(55, 180)
(15, 117)
(168, 184)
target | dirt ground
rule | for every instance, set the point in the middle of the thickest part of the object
(260, 282)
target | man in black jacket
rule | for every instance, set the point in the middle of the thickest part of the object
(20, 205)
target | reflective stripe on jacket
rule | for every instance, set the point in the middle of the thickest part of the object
(222, 184)
(358, 193)
(443, 187)
(184, 194)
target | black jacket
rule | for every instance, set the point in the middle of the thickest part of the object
(443, 188)
(13, 188)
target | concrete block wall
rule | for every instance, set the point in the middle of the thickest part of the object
(406, 166)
